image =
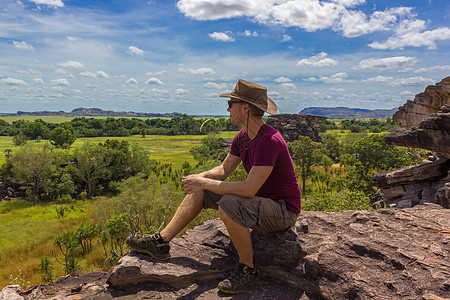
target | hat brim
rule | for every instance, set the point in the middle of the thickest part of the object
(270, 109)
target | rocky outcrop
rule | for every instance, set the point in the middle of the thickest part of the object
(426, 182)
(433, 133)
(409, 186)
(424, 104)
(383, 254)
(291, 126)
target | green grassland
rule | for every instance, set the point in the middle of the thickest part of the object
(49, 119)
(168, 149)
(27, 234)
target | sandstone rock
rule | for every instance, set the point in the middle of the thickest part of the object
(420, 130)
(433, 134)
(11, 292)
(424, 104)
(443, 196)
(291, 126)
(412, 185)
(427, 170)
(384, 254)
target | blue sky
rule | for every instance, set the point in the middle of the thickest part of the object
(167, 56)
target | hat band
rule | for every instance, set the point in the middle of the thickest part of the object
(251, 100)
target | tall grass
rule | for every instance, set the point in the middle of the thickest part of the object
(27, 233)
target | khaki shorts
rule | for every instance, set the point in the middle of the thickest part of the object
(263, 214)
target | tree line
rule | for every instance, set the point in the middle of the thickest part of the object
(65, 133)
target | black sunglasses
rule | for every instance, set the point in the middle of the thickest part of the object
(230, 102)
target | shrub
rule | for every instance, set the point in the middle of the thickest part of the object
(336, 201)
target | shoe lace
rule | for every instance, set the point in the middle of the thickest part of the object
(238, 274)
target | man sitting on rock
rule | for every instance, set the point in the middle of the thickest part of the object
(268, 200)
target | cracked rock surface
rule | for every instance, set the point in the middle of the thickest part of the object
(383, 254)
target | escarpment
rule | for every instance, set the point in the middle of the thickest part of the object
(425, 124)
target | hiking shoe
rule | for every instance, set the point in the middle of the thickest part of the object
(243, 278)
(152, 245)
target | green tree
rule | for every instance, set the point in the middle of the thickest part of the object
(326, 163)
(33, 167)
(93, 161)
(374, 154)
(331, 146)
(61, 136)
(35, 130)
(304, 154)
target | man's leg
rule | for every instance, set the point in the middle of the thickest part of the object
(157, 245)
(240, 236)
(188, 210)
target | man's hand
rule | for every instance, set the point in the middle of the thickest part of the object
(193, 183)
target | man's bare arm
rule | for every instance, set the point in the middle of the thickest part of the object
(248, 188)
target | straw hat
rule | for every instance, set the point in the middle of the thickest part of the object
(254, 94)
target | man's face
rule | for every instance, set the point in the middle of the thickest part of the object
(236, 110)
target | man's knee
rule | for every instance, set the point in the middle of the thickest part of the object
(227, 202)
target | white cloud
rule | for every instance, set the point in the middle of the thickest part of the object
(212, 85)
(390, 81)
(312, 79)
(181, 91)
(288, 86)
(391, 63)
(218, 9)
(310, 15)
(340, 77)
(60, 81)
(72, 38)
(198, 71)
(313, 15)
(356, 23)
(132, 80)
(319, 60)
(286, 38)
(12, 81)
(410, 33)
(413, 81)
(98, 74)
(53, 3)
(337, 90)
(22, 45)
(282, 79)
(249, 33)
(382, 79)
(132, 50)
(407, 93)
(154, 80)
(425, 70)
(221, 36)
(71, 65)
(157, 73)
(38, 81)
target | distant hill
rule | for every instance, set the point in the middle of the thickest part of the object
(345, 112)
(97, 112)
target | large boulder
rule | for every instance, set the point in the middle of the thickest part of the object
(433, 134)
(383, 254)
(291, 126)
(424, 104)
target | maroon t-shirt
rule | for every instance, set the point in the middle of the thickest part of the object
(268, 148)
